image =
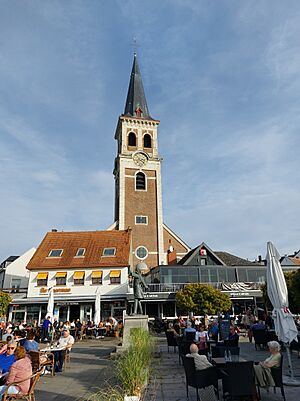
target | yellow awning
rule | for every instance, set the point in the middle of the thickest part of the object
(115, 273)
(61, 274)
(42, 276)
(97, 274)
(78, 275)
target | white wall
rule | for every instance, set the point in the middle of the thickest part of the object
(79, 290)
(17, 269)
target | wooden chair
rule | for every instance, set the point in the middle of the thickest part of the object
(67, 358)
(28, 396)
(38, 365)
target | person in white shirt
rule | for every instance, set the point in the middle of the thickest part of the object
(201, 361)
(66, 341)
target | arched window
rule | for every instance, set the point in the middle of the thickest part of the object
(131, 139)
(147, 141)
(140, 181)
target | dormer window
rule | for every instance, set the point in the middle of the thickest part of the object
(109, 251)
(131, 139)
(55, 253)
(80, 252)
(147, 141)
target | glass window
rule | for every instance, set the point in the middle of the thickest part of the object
(256, 275)
(55, 253)
(115, 277)
(78, 278)
(97, 277)
(109, 251)
(32, 313)
(61, 278)
(15, 283)
(204, 276)
(242, 275)
(203, 262)
(141, 220)
(140, 181)
(231, 275)
(141, 252)
(222, 275)
(213, 275)
(80, 252)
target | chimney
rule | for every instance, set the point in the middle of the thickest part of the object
(259, 258)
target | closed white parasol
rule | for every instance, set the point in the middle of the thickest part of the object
(97, 316)
(50, 306)
(285, 326)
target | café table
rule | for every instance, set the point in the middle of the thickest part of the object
(221, 362)
(58, 356)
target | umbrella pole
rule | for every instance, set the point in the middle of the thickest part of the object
(290, 365)
(290, 380)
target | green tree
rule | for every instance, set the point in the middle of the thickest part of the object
(202, 299)
(5, 300)
(293, 285)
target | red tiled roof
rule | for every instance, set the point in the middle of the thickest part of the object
(93, 241)
(295, 260)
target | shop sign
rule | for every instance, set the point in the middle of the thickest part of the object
(45, 290)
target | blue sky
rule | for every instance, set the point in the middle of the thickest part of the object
(224, 79)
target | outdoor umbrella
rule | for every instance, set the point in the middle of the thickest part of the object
(285, 326)
(97, 317)
(50, 305)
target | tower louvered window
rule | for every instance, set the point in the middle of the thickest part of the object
(131, 139)
(147, 141)
(140, 181)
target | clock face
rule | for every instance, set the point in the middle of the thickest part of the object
(140, 159)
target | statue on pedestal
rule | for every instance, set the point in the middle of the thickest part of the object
(138, 285)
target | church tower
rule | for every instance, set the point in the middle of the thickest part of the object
(137, 171)
(138, 192)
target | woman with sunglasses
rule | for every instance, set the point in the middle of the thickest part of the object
(20, 371)
(7, 359)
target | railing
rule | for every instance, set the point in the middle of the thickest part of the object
(14, 290)
(159, 287)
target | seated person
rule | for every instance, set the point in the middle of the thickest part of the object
(4, 347)
(66, 341)
(30, 344)
(7, 359)
(233, 338)
(214, 330)
(188, 332)
(201, 361)
(258, 325)
(263, 375)
(172, 330)
(20, 370)
(8, 333)
(201, 338)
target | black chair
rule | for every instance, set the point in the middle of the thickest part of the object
(171, 340)
(199, 378)
(238, 380)
(183, 348)
(277, 377)
(189, 336)
(221, 352)
(260, 338)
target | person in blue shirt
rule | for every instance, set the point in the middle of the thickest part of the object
(30, 344)
(7, 359)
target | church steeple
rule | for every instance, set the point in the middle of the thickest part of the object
(136, 104)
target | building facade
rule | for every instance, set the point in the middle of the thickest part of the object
(75, 265)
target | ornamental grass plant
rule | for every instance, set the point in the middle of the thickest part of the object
(134, 364)
(132, 369)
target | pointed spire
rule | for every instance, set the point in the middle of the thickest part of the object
(136, 104)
